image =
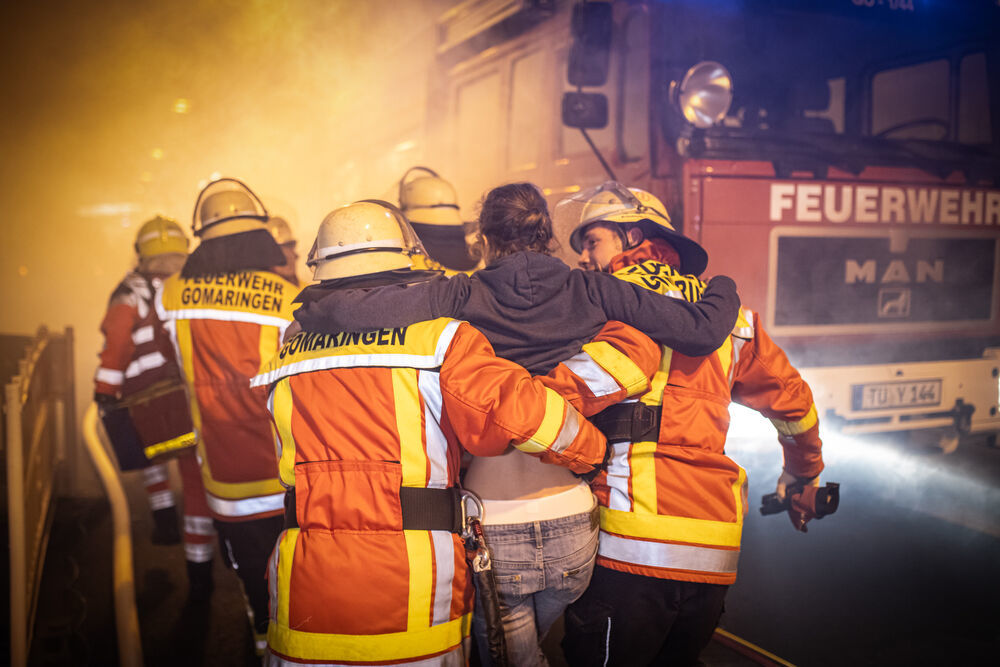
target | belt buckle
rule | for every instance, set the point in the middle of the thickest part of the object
(643, 421)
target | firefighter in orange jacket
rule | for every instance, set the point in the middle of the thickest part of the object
(138, 387)
(370, 568)
(226, 313)
(672, 503)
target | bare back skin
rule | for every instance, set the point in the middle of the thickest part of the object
(515, 475)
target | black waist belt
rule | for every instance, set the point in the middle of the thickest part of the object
(423, 509)
(629, 422)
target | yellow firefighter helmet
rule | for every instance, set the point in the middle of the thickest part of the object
(160, 236)
(227, 206)
(428, 199)
(612, 202)
(368, 236)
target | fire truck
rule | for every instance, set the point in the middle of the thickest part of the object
(840, 159)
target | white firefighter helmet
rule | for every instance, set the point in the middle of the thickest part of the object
(160, 236)
(613, 202)
(368, 236)
(428, 199)
(227, 206)
(280, 230)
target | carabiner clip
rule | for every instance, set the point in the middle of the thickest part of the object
(467, 519)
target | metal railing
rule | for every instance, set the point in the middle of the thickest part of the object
(39, 414)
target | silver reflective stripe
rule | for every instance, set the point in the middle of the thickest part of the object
(444, 574)
(143, 335)
(246, 506)
(570, 429)
(429, 384)
(619, 471)
(272, 576)
(662, 554)
(145, 363)
(198, 525)
(154, 474)
(225, 316)
(108, 376)
(198, 553)
(159, 500)
(598, 380)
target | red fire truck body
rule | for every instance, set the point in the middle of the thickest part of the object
(852, 189)
(852, 268)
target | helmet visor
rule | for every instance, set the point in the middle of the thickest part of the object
(226, 199)
(610, 201)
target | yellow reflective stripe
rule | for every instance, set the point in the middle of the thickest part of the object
(180, 442)
(243, 490)
(625, 371)
(738, 487)
(281, 399)
(796, 427)
(552, 422)
(182, 329)
(421, 562)
(406, 400)
(642, 463)
(725, 354)
(672, 528)
(267, 346)
(367, 649)
(655, 394)
(286, 551)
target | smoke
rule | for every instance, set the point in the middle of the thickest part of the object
(904, 471)
(117, 111)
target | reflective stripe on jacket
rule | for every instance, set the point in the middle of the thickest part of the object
(359, 416)
(136, 353)
(674, 508)
(224, 329)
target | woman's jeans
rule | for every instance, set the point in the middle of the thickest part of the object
(540, 567)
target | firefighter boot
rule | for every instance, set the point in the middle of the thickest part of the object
(200, 581)
(165, 529)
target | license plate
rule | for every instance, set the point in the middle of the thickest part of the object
(884, 395)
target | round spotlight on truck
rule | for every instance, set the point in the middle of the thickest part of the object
(705, 94)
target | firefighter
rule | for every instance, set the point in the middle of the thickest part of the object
(138, 388)
(226, 312)
(535, 311)
(672, 503)
(430, 204)
(370, 568)
(282, 233)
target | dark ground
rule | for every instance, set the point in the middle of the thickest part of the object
(906, 573)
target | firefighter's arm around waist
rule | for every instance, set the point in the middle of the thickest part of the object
(694, 329)
(765, 381)
(618, 364)
(118, 347)
(491, 403)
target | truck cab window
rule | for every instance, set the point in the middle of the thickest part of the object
(530, 102)
(973, 101)
(912, 102)
(633, 114)
(479, 133)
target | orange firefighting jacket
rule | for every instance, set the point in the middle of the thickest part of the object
(225, 328)
(674, 508)
(358, 417)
